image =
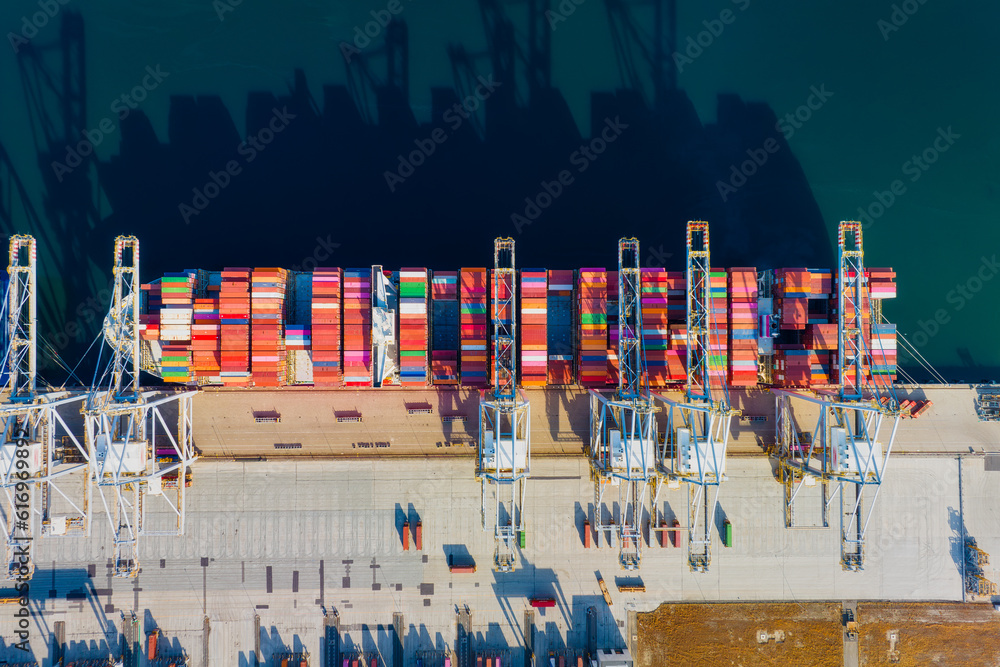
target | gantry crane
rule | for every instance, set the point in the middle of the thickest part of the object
(121, 426)
(844, 448)
(385, 349)
(697, 435)
(505, 417)
(622, 428)
(36, 469)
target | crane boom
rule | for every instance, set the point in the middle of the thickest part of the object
(623, 440)
(633, 383)
(698, 312)
(22, 319)
(851, 300)
(845, 448)
(504, 417)
(122, 424)
(697, 435)
(33, 469)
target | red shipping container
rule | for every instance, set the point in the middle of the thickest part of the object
(543, 602)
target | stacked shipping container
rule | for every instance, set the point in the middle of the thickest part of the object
(663, 363)
(234, 316)
(357, 318)
(593, 339)
(792, 288)
(267, 335)
(473, 326)
(176, 314)
(413, 327)
(202, 322)
(718, 328)
(297, 337)
(444, 354)
(559, 327)
(882, 285)
(792, 362)
(819, 308)
(884, 352)
(677, 317)
(613, 313)
(498, 295)
(149, 319)
(206, 343)
(821, 340)
(325, 331)
(533, 335)
(743, 327)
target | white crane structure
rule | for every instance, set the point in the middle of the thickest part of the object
(622, 426)
(385, 349)
(697, 434)
(125, 425)
(504, 418)
(43, 465)
(845, 449)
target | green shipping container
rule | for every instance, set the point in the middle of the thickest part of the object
(728, 530)
(520, 537)
(413, 290)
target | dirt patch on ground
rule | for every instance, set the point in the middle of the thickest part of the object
(928, 634)
(728, 634)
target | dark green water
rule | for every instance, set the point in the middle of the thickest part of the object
(887, 99)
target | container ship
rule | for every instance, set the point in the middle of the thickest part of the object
(373, 327)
